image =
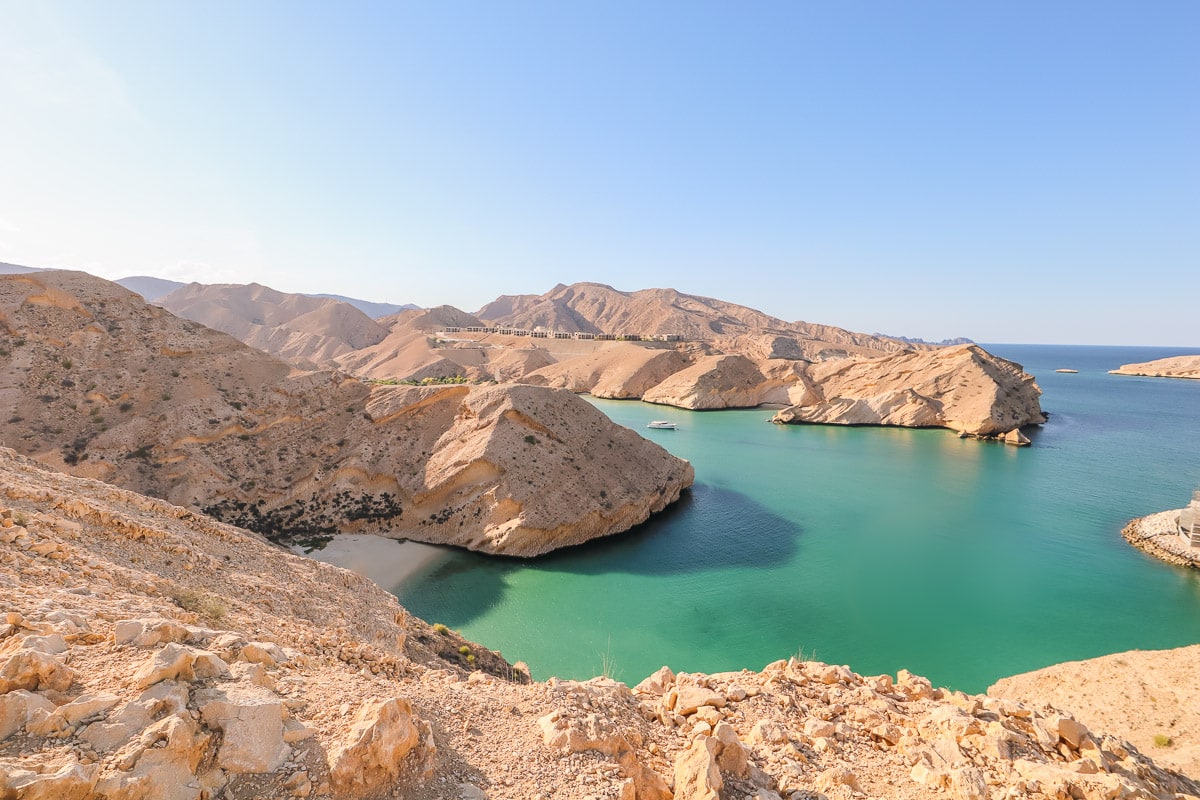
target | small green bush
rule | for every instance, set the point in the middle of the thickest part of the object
(465, 650)
(1162, 740)
(440, 628)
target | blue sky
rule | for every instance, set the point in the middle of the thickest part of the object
(1017, 172)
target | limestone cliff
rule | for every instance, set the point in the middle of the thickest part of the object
(96, 382)
(150, 652)
(963, 388)
(1175, 367)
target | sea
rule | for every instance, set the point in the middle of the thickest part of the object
(878, 548)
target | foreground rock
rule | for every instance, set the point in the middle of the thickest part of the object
(151, 652)
(96, 382)
(1175, 367)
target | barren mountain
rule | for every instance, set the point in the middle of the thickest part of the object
(149, 652)
(96, 382)
(307, 331)
(596, 308)
(1175, 367)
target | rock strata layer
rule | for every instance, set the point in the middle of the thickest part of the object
(148, 651)
(96, 382)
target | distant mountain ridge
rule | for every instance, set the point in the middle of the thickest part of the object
(917, 340)
(599, 308)
(371, 309)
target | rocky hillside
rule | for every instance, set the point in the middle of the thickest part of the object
(1146, 696)
(309, 332)
(1175, 367)
(96, 382)
(147, 651)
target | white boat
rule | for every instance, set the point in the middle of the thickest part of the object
(662, 424)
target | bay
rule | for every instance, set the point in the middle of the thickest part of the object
(879, 548)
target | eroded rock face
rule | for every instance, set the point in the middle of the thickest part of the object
(373, 753)
(121, 391)
(963, 388)
(621, 371)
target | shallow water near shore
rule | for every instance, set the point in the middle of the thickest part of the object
(879, 548)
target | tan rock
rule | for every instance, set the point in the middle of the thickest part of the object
(252, 726)
(732, 756)
(690, 697)
(657, 683)
(162, 763)
(962, 388)
(724, 381)
(16, 709)
(373, 753)
(697, 776)
(34, 670)
(71, 782)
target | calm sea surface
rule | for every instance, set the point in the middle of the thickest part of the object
(879, 548)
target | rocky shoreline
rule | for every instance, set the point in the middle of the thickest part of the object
(1157, 535)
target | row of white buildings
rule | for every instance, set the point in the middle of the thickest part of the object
(542, 333)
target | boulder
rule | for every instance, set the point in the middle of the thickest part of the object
(34, 670)
(161, 764)
(372, 754)
(697, 776)
(252, 724)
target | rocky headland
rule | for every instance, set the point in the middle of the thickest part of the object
(96, 382)
(148, 651)
(1158, 535)
(1174, 367)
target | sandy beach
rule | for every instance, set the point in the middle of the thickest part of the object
(385, 561)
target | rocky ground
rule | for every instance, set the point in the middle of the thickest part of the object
(148, 651)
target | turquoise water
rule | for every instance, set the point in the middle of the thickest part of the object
(879, 548)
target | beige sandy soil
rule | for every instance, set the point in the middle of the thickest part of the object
(387, 562)
(1137, 696)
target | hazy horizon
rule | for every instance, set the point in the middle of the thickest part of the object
(1010, 173)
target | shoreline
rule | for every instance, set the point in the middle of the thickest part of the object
(1156, 534)
(387, 562)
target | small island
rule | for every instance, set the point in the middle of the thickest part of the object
(1173, 536)
(1174, 367)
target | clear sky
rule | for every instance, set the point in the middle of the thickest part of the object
(1012, 172)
